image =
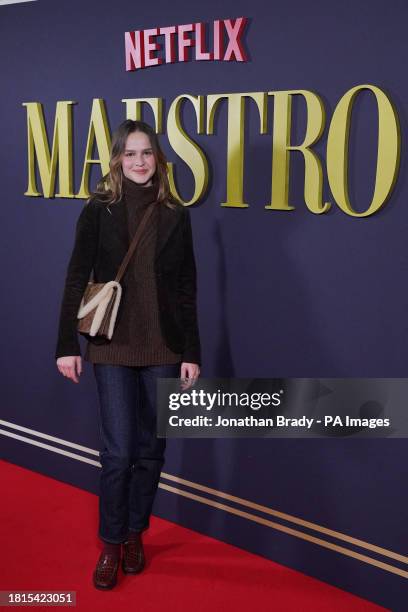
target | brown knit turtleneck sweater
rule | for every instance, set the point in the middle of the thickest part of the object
(137, 339)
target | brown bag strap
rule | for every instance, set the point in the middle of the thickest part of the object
(134, 242)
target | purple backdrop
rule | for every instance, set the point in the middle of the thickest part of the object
(280, 294)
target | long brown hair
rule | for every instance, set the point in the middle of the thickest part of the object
(109, 189)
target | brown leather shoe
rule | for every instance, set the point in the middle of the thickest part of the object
(133, 560)
(106, 571)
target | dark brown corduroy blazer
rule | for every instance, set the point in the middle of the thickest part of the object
(101, 242)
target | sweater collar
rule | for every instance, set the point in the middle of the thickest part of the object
(135, 193)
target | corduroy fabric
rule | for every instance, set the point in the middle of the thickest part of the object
(137, 339)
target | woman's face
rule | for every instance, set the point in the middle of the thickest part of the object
(138, 162)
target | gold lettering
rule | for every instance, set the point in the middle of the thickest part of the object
(38, 147)
(235, 138)
(186, 148)
(388, 153)
(281, 146)
(134, 110)
(98, 134)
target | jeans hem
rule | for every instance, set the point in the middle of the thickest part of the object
(139, 529)
(109, 541)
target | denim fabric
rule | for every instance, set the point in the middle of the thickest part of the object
(131, 455)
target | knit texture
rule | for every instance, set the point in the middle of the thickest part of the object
(137, 339)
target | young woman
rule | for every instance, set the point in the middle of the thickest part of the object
(156, 333)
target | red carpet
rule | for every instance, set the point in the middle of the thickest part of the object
(49, 543)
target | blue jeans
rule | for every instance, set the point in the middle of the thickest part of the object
(131, 454)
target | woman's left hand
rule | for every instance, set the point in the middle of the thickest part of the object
(189, 374)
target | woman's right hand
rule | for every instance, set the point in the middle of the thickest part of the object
(71, 367)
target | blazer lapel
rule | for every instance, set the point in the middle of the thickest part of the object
(118, 223)
(167, 221)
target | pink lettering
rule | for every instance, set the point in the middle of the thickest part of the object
(218, 40)
(134, 51)
(235, 46)
(183, 41)
(151, 47)
(169, 43)
(200, 38)
(142, 48)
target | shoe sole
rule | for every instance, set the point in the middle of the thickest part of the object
(138, 571)
(100, 587)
